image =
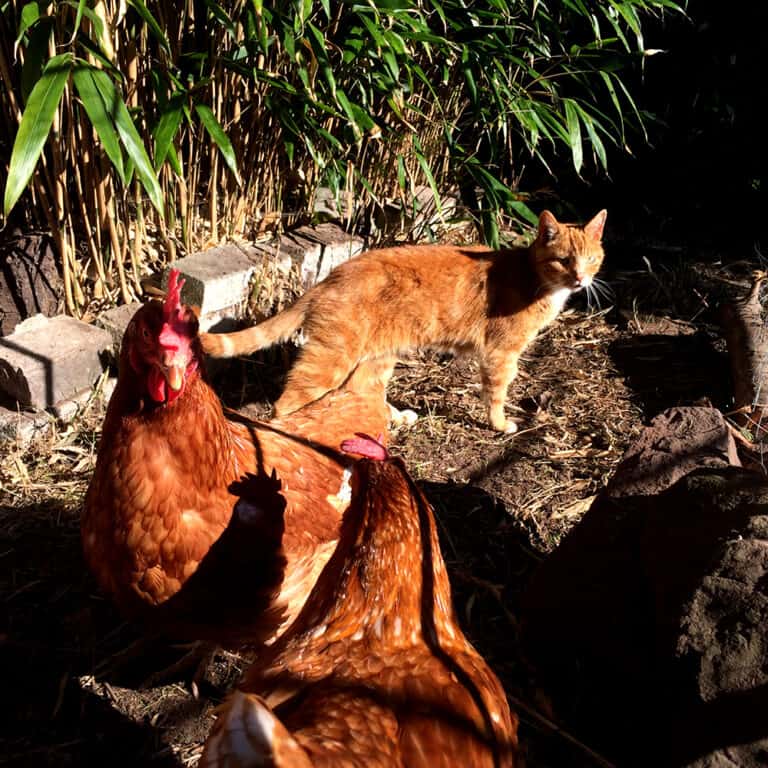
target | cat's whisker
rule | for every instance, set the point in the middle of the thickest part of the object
(592, 295)
(603, 288)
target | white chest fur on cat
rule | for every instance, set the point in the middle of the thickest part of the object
(559, 298)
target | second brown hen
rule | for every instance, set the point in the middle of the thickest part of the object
(375, 671)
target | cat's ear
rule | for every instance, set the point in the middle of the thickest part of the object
(548, 227)
(594, 228)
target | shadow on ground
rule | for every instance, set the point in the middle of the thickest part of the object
(669, 370)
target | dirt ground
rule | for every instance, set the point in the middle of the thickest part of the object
(503, 502)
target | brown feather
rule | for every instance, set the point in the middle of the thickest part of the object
(161, 499)
(375, 671)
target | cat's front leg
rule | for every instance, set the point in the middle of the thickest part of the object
(498, 371)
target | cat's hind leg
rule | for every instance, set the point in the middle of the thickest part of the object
(319, 369)
(497, 372)
(375, 373)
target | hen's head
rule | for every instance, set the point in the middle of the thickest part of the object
(161, 344)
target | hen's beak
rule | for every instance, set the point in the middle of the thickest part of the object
(173, 365)
(174, 375)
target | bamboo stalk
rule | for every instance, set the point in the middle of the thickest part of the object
(83, 206)
(106, 206)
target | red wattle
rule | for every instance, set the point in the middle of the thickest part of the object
(156, 385)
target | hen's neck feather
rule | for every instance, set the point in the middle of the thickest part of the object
(387, 567)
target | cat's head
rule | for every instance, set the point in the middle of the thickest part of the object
(568, 255)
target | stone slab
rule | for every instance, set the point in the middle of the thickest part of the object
(54, 359)
(304, 254)
(217, 280)
(116, 320)
(337, 246)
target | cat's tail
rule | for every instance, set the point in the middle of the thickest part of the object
(272, 331)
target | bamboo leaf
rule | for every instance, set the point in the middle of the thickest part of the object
(35, 126)
(427, 171)
(78, 19)
(151, 22)
(596, 141)
(574, 134)
(166, 129)
(84, 76)
(175, 163)
(216, 132)
(129, 136)
(30, 13)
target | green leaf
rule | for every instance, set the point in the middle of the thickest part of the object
(84, 77)
(596, 141)
(129, 136)
(173, 159)
(35, 126)
(151, 22)
(216, 132)
(574, 134)
(94, 18)
(427, 171)
(166, 129)
(78, 19)
(30, 13)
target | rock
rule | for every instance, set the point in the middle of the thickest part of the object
(24, 262)
(304, 255)
(21, 427)
(29, 279)
(648, 624)
(115, 321)
(676, 442)
(44, 362)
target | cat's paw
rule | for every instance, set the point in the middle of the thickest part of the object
(406, 418)
(507, 426)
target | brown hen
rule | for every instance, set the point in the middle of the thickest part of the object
(375, 671)
(158, 531)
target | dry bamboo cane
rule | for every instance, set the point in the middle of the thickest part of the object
(58, 186)
(84, 158)
(106, 206)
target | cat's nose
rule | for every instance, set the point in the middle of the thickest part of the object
(582, 281)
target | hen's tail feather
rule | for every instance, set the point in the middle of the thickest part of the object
(272, 331)
(247, 734)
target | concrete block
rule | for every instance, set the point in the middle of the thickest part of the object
(217, 280)
(115, 321)
(51, 360)
(336, 246)
(293, 251)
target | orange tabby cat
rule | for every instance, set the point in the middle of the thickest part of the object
(468, 299)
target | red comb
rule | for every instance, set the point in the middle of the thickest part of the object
(172, 303)
(366, 446)
(175, 329)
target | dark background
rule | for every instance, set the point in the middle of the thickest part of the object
(699, 181)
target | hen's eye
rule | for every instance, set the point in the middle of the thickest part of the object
(145, 334)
